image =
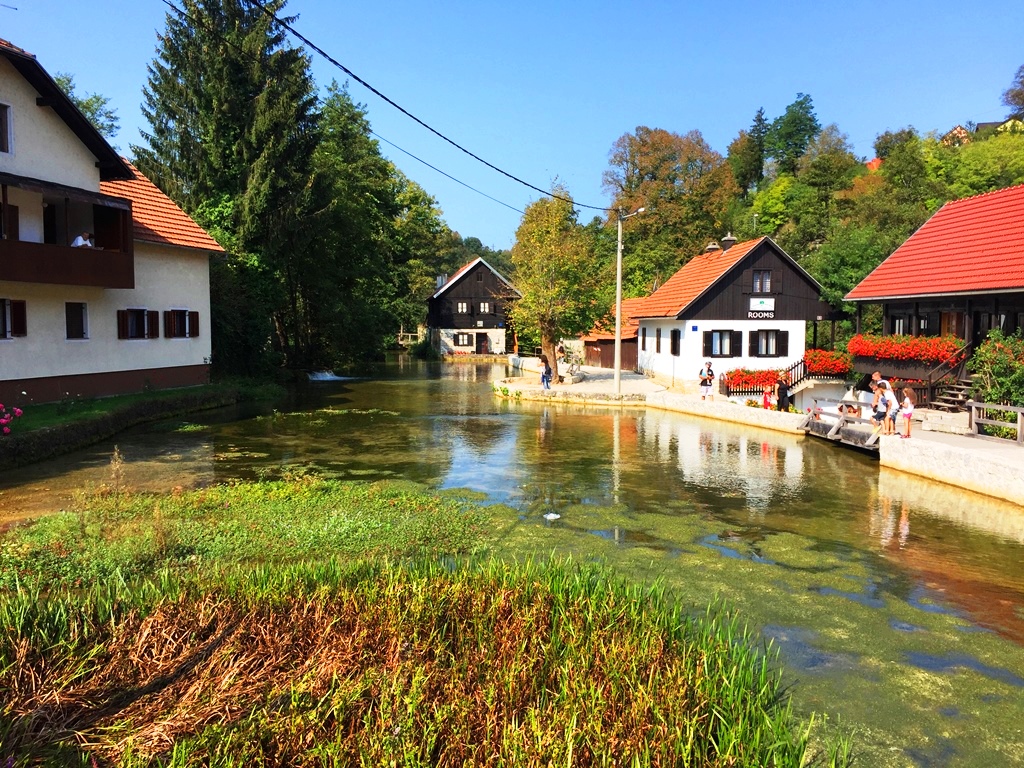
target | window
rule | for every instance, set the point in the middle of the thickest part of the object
(181, 324)
(5, 128)
(723, 343)
(12, 319)
(674, 338)
(462, 307)
(485, 307)
(480, 276)
(899, 325)
(138, 324)
(657, 341)
(643, 339)
(463, 340)
(769, 343)
(762, 281)
(922, 325)
(75, 320)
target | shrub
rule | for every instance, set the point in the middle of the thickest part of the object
(998, 365)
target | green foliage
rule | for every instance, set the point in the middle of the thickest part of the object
(998, 365)
(554, 272)
(489, 664)
(845, 259)
(982, 166)
(791, 133)
(1013, 97)
(94, 106)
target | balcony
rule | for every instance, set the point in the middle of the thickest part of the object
(62, 265)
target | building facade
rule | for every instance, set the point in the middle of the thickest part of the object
(468, 313)
(129, 312)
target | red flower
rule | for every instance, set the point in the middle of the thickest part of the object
(925, 349)
(821, 362)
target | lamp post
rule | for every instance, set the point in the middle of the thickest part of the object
(618, 301)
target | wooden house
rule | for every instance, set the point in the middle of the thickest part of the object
(744, 305)
(130, 313)
(961, 273)
(468, 312)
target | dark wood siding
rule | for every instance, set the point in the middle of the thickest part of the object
(796, 297)
(477, 286)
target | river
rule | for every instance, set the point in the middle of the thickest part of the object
(897, 603)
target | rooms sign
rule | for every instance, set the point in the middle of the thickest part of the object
(761, 309)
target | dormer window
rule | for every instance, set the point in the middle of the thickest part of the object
(5, 128)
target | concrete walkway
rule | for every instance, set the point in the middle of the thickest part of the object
(993, 468)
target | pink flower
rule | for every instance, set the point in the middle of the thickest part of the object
(7, 430)
(18, 412)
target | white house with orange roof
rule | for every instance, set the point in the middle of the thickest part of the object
(130, 311)
(745, 305)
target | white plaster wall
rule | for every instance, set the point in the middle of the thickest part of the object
(684, 369)
(495, 341)
(165, 278)
(30, 213)
(42, 146)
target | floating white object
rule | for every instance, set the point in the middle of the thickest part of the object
(551, 515)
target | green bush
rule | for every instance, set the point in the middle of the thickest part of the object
(998, 366)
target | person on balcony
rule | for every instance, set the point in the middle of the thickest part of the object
(84, 240)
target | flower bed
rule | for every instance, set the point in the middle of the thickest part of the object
(822, 362)
(924, 349)
(743, 380)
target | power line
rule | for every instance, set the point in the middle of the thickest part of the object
(457, 181)
(407, 113)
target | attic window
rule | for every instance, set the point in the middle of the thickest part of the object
(5, 128)
(762, 281)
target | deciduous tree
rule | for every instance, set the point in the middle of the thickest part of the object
(94, 106)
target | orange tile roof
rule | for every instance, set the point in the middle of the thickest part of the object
(971, 245)
(695, 277)
(630, 324)
(156, 218)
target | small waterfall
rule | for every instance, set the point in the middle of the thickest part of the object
(327, 376)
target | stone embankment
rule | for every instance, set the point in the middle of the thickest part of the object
(937, 450)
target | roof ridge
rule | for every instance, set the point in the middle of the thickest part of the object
(983, 194)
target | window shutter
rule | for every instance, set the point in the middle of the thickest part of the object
(748, 281)
(168, 324)
(776, 281)
(193, 324)
(122, 323)
(752, 344)
(643, 339)
(707, 343)
(736, 348)
(152, 324)
(19, 318)
(783, 344)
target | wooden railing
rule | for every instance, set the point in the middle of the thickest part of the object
(795, 374)
(977, 411)
(951, 366)
(848, 412)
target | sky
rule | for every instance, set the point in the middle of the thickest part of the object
(543, 89)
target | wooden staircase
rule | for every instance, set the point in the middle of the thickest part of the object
(953, 398)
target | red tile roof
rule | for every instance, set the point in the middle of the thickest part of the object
(630, 324)
(156, 217)
(972, 245)
(695, 277)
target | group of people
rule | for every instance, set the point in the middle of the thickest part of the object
(886, 406)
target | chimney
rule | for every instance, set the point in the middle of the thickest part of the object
(441, 280)
(728, 242)
(712, 247)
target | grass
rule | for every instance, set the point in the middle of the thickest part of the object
(371, 663)
(75, 408)
(306, 621)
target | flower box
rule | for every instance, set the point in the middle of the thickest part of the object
(893, 369)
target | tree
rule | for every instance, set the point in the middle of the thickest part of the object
(1013, 97)
(554, 272)
(94, 106)
(746, 160)
(685, 186)
(791, 133)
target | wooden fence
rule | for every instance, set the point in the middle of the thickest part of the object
(980, 415)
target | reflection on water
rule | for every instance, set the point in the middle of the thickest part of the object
(834, 536)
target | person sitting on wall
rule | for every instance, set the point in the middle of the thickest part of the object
(84, 240)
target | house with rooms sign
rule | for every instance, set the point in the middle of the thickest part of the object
(739, 305)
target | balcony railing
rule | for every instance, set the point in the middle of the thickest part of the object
(26, 262)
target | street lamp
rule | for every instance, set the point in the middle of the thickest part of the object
(618, 301)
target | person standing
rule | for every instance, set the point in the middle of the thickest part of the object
(707, 381)
(782, 393)
(545, 373)
(908, 409)
(84, 240)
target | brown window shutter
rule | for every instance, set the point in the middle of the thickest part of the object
(193, 324)
(707, 343)
(752, 344)
(747, 286)
(152, 324)
(122, 323)
(168, 324)
(737, 344)
(19, 318)
(782, 344)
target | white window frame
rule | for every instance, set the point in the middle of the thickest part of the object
(463, 339)
(485, 307)
(767, 342)
(721, 344)
(762, 281)
(462, 307)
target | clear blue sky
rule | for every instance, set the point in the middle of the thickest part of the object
(543, 89)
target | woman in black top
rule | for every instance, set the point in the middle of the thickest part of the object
(782, 394)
